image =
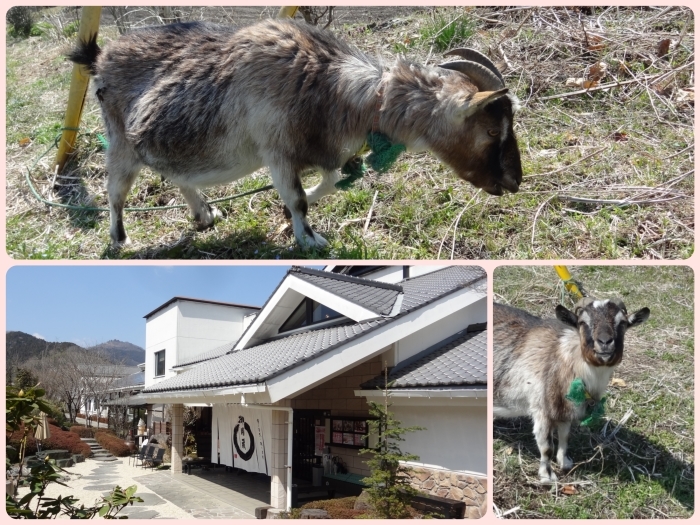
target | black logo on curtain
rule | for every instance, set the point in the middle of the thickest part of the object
(243, 439)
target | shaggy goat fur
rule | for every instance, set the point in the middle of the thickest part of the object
(206, 105)
(536, 360)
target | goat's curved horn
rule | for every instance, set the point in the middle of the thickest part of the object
(482, 77)
(475, 56)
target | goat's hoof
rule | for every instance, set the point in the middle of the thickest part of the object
(566, 465)
(547, 476)
(213, 217)
(116, 245)
(548, 480)
(316, 242)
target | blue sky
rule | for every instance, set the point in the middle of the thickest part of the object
(88, 305)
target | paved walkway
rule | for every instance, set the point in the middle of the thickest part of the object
(211, 494)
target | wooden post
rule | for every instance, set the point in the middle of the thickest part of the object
(89, 25)
(287, 11)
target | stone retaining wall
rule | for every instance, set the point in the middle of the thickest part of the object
(470, 489)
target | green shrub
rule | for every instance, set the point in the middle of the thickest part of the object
(71, 29)
(40, 29)
(446, 32)
(21, 20)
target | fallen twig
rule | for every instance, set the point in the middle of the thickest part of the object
(655, 78)
(617, 202)
(369, 214)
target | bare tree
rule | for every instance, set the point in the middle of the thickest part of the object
(99, 375)
(59, 373)
(314, 14)
(121, 18)
(120, 416)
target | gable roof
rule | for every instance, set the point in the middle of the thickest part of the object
(459, 360)
(271, 358)
(376, 296)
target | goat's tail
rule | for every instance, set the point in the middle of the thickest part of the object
(86, 53)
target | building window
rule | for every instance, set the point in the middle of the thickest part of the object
(160, 363)
(307, 313)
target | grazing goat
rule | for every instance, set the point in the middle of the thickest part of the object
(536, 362)
(206, 105)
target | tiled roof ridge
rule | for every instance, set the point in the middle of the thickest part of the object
(446, 269)
(347, 278)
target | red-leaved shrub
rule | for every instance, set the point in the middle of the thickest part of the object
(110, 442)
(83, 432)
(59, 439)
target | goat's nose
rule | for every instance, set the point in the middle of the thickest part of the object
(605, 344)
(510, 184)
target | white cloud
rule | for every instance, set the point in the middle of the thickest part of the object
(39, 336)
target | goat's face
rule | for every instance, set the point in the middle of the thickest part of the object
(479, 143)
(601, 325)
(481, 147)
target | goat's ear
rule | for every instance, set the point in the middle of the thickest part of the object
(566, 316)
(638, 317)
(479, 101)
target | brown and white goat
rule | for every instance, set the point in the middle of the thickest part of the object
(206, 105)
(536, 360)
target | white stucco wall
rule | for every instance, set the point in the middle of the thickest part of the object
(202, 327)
(161, 334)
(454, 439)
(185, 329)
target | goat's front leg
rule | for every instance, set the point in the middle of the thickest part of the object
(204, 214)
(563, 429)
(288, 184)
(542, 429)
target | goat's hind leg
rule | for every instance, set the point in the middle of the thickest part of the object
(542, 429)
(288, 185)
(204, 214)
(122, 169)
(563, 429)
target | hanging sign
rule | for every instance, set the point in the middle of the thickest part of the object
(245, 437)
(320, 440)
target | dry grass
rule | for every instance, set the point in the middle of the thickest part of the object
(608, 173)
(639, 461)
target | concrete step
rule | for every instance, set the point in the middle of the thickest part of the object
(104, 458)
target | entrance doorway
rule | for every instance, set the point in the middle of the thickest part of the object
(303, 445)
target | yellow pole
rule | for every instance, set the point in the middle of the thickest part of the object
(89, 25)
(287, 11)
(565, 276)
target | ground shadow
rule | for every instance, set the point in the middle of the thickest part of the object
(627, 457)
(249, 484)
(252, 243)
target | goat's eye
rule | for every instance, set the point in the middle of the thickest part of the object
(494, 132)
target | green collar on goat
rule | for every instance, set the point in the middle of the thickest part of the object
(383, 156)
(578, 394)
